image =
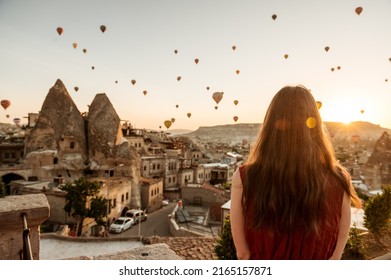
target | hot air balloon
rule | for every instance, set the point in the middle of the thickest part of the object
(319, 104)
(236, 118)
(286, 56)
(216, 107)
(116, 82)
(5, 103)
(196, 60)
(177, 105)
(84, 50)
(389, 59)
(145, 92)
(172, 120)
(217, 96)
(7, 116)
(103, 28)
(76, 88)
(327, 49)
(74, 45)
(167, 124)
(178, 78)
(359, 10)
(59, 30)
(362, 111)
(339, 67)
(233, 47)
(207, 88)
(386, 80)
(274, 17)
(133, 82)
(92, 67)
(332, 69)
(16, 121)
(237, 72)
(236, 102)
(175, 51)
(160, 126)
(188, 115)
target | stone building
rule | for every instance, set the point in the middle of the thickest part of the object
(378, 166)
(151, 193)
(65, 145)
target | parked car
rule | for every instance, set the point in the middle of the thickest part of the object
(137, 215)
(121, 224)
(165, 202)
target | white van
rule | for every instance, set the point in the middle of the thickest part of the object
(136, 215)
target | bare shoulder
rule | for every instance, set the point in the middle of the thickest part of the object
(236, 180)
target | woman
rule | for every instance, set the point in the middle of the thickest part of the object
(292, 199)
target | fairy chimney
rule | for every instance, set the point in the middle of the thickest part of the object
(56, 145)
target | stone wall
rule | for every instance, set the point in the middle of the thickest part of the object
(36, 209)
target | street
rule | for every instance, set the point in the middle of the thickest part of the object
(156, 224)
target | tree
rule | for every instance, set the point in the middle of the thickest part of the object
(2, 188)
(377, 213)
(225, 248)
(355, 248)
(77, 196)
(98, 210)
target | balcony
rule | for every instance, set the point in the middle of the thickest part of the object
(20, 220)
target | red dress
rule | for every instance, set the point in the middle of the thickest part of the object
(294, 246)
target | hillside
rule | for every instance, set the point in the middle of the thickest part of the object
(235, 133)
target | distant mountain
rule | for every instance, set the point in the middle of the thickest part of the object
(179, 131)
(366, 130)
(236, 133)
(229, 133)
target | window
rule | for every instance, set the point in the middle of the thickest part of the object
(151, 192)
(169, 179)
(145, 168)
(158, 166)
(55, 160)
(153, 166)
(72, 145)
(114, 203)
(122, 198)
(127, 196)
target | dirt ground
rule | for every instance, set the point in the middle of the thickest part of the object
(372, 248)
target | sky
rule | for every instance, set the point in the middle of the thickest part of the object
(139, 44)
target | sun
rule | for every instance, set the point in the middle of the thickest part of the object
(343, 110)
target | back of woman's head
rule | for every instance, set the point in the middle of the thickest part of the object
(289, 163)
(293, 129)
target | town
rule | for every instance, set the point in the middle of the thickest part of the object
(144, 169)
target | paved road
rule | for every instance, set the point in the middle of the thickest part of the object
(156, 224)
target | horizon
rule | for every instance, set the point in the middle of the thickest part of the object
(260, 123)
(161, 61)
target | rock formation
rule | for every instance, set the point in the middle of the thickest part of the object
(107, 146)
(378, 166)
(64, 143)
(57, 143)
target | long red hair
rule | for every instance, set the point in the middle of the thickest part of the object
(291, 165)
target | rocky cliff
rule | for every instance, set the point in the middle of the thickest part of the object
(236, 133)
(57, 143)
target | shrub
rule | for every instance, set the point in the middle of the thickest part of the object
(354, 249)
(377, 213)
(225, 248)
